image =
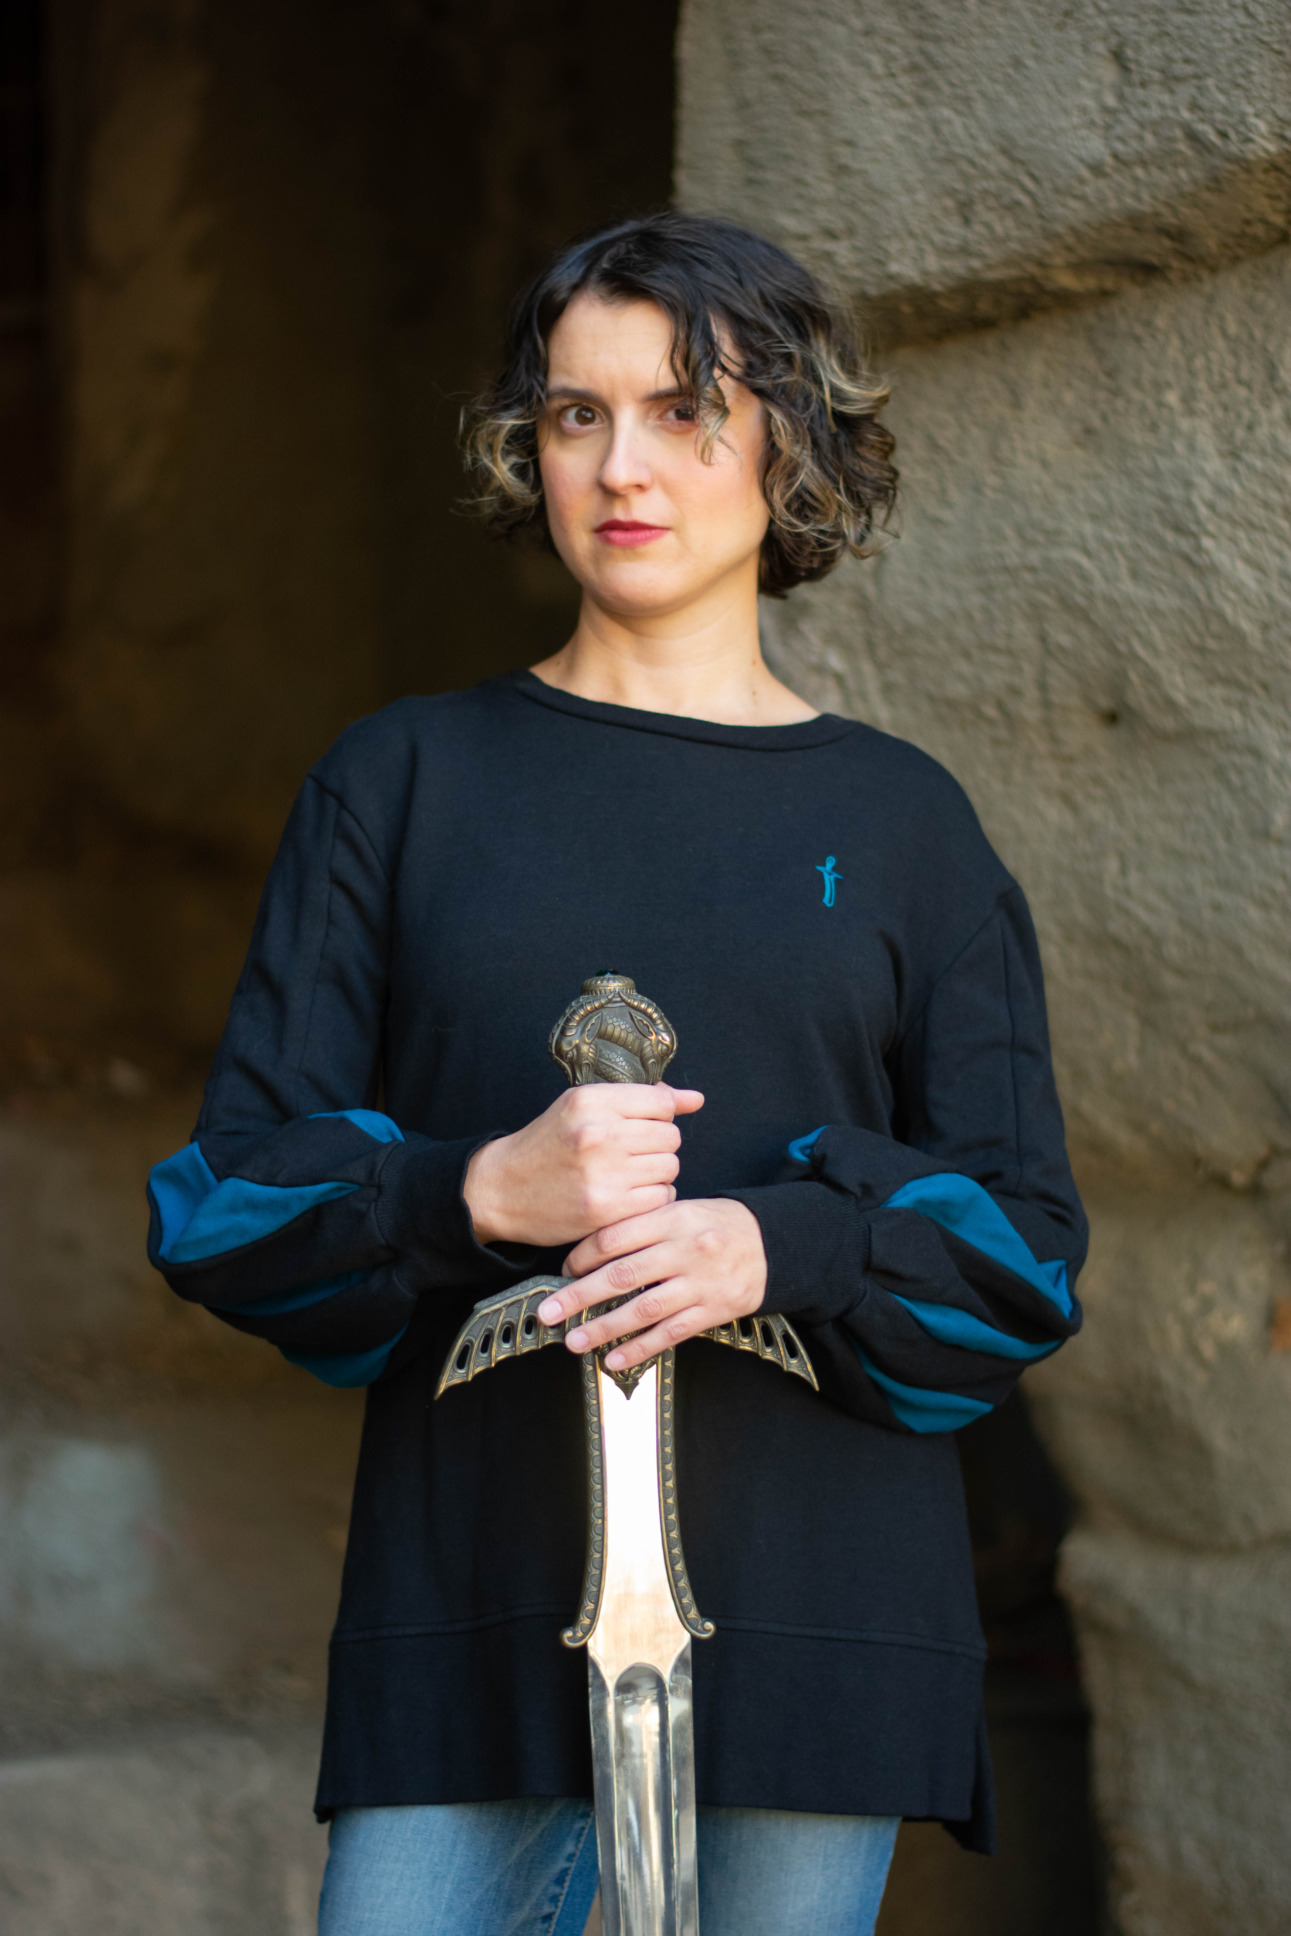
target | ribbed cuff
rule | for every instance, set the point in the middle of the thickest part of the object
(422, 1214)
(817, 1247)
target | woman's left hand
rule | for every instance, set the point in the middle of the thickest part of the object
(702, 1260)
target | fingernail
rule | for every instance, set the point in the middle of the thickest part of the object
(614, 1362)
(577, 1340)
(550, 1311)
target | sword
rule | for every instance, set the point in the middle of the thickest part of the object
(637, 1614)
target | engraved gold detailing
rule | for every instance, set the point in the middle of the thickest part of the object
(589, 1606)
(770, 1337)
(505, 1325)
(629, 1377)
(678, 1578)
(612, 1034)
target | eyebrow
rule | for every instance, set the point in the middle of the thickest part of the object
(569, 393)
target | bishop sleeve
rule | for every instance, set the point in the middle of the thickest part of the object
(927, 1269)
(300, 1212)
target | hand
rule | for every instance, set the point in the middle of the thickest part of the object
(702, 1260)
(603, 1152)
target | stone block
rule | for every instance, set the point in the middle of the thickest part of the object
(1188, 1660)
(73, 1233)
(953, 167)
(202, 1832)
(174, 1497)
(1169, 1415)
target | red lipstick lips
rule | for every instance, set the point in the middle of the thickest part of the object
(627, 531)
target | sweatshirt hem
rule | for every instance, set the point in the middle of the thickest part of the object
(880, 1728)
(726, 1623)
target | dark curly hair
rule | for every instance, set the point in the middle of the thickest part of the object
(738, 305)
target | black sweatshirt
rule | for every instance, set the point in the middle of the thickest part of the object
(854, 981)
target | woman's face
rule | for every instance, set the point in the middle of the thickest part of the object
(647, 527)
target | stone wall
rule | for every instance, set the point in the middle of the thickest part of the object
(1067, 229)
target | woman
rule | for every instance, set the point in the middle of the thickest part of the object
(384, 1139)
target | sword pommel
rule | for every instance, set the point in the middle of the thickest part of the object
(610, 1033)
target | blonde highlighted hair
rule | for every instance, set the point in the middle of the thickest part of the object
(738, 306)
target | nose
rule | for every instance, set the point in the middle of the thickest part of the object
(625, 467)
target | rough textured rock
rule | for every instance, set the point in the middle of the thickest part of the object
(1170, 1422)
(173, 1508)
(202, 1832)
(1186, 1660)
(1171, 1418)
(1085, 615)
(173, 1501)
(957, 165)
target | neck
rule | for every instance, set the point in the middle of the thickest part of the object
(697, 665)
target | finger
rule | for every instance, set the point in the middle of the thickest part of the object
(642, 1200)
(618, 1238)
(630, 1273)
(680, 1325)
(685, 1101)
(657, 1101)
(641, 1269)
(642, 1136)
(657, 1166)
(641, 1178)
(653, 1306)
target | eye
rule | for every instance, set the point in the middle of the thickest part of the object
(578, 416)
(683, 413)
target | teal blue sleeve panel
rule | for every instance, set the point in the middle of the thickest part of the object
(202, 1217)
(300, 1212)
(297, 1249)
(930, 1267)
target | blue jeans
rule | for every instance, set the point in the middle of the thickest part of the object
(528, 1868)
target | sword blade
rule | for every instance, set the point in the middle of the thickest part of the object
(639, 1688)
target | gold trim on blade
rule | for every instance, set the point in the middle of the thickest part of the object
(594, 1572)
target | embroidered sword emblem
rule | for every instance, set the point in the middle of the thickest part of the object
(637, 1613)
(831, 880)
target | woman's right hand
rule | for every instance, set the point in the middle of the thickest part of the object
(603, 1151)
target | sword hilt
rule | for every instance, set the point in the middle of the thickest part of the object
(611, 1033)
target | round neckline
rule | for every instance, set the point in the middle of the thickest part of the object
(768, 739)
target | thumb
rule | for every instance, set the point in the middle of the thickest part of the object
(685, 1101)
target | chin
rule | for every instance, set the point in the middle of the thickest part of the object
(645, 601)
(640, 588)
